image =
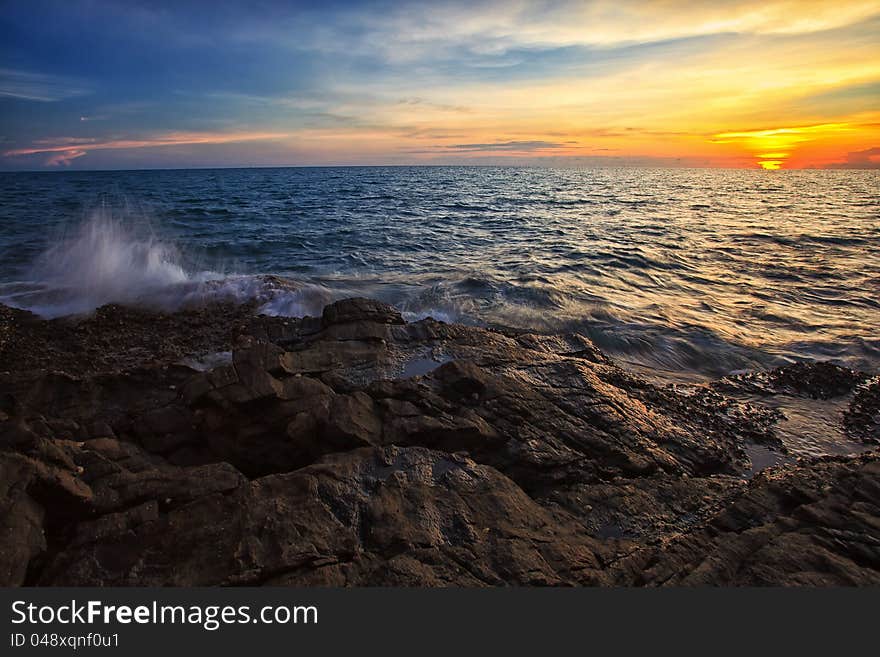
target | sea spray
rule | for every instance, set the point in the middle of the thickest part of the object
(118, 257)
(106, 260)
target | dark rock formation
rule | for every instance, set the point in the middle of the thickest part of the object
(809, 525)
(820, 380)
(404, 516)
(862, 418)
(356, 449)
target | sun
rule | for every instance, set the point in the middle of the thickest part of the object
(772, 147)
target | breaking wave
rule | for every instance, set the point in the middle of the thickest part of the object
(118, 259)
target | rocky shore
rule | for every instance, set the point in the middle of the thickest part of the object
(214, 446)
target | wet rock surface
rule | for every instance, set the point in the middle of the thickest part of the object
(357, 449)
(821, 380)
(862, 418)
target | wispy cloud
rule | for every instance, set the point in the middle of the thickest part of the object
(792, 134)
(490, 29)
(443, 107)
(64, 158)
(42, 87)
(64, 149)
(513, 146)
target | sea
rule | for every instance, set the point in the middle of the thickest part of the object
(689, 273)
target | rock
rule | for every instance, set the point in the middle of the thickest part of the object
(112, 525)
(352, 419)
(820, 380)
(164, 420)
(360, 310)
(168, 484)
(220, 377)
(810, 525)
(358, 449)
(22, 537)
(644, 509)
(462, 380)
(326, 355)
(364, 331)
(571, 345)
(862, 417)
(366, 517)
(100, 430)
(196, 388)
(259, 357)
(301, 388)
(116, 338)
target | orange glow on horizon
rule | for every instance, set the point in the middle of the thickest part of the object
(774, 148)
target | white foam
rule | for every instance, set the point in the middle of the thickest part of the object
(109, 259)
(105, 260)
(208, 361)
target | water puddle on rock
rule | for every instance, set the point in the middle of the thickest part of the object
(763, 457)
(809, 428)
(813, 427)
(423, 365)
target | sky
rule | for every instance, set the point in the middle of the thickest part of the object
(110, 84)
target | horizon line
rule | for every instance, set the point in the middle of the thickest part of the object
(429, 166)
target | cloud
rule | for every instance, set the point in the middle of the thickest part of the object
(64, 158)
(41, 87)
(488, 26)
(69, 148)
(443, 107)
(859, 97)
(796, 133)
(866, 159)
(515, 146)
(489, 30)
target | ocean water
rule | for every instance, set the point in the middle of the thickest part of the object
(692, 272)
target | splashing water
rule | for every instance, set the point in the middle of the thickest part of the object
(104, 261)
(113, 258)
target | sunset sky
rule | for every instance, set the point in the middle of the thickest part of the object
(732, 83)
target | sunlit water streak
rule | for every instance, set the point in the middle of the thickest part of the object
(692, 271)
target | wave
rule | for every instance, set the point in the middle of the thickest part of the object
(104, 261)
(120, 259)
